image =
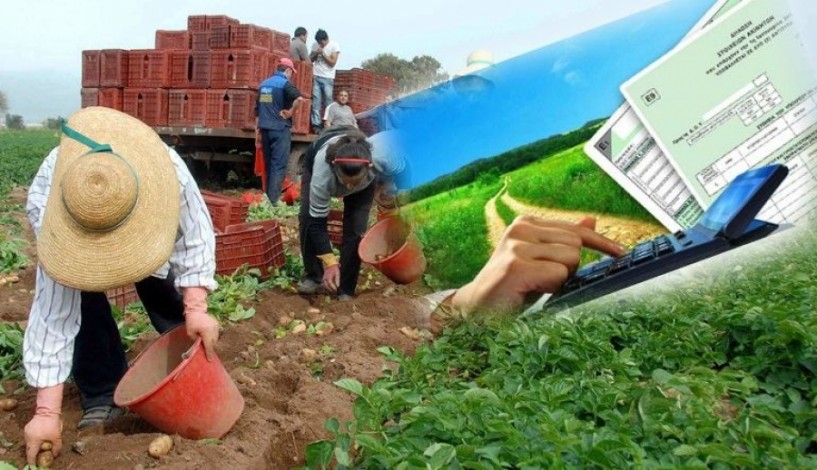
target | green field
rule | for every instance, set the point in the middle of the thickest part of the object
(719, 374)
(21, 153)
(452, 229)
(570, 180)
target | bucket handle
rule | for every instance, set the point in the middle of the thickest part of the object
(185, 356)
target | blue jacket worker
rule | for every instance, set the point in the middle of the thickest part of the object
(278, 99)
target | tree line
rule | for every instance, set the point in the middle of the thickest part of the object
(488, 170)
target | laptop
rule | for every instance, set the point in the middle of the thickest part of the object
(728, 223)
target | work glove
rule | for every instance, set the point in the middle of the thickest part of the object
(331, 271)
(46, 425)
(198, 322)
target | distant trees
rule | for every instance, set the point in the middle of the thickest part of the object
(15, 121)
(4, 104)
(419, 73)
(52, 123)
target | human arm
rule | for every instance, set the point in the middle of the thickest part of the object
(317, 51)
(533, 255)
(193, 259)
(293, 95)
(302, 53)
(331, 55)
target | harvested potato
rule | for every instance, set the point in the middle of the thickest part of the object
(246, 380)
(309, 355)
(410, 332)
(3, 281)
(299, 327)
(313, 311)
(45, 459)
(284, 321)
(12, 279)
(160, 446)
(8, 404)
(46, 445)
(325, 329)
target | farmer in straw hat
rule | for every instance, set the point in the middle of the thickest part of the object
(111, 206)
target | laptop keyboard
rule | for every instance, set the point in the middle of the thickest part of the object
(641, 253)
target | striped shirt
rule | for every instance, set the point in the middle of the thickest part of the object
(54, 320)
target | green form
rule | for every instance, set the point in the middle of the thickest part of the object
(737, 95)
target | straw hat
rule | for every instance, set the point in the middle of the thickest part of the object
(113, 210)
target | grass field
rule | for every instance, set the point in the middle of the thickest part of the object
(570, 180)
(453, 231)
(21, 153)
(719, 374)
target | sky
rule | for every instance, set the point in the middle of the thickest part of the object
(40, 54)
(552, 90)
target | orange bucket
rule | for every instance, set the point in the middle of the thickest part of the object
(393, 249)
(173, 387)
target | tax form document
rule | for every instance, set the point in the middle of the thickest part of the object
(737, 95)
(627, 152)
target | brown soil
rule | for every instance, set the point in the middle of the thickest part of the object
(285, 407)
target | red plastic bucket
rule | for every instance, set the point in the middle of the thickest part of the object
(392, 248)
(173, 387)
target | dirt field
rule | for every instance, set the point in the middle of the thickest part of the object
(287, 399)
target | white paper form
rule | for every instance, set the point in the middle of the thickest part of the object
(626, 151)
(737, 95)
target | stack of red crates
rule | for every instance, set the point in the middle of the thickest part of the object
(366, 88)
(225, 210)
(256, 244)
(204, 76)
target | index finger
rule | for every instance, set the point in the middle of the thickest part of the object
(597, 241)
(32, 449)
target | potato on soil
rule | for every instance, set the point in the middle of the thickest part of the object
(45, 459)
(8, 404)
(160, 446)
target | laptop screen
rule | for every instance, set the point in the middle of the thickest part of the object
(734, 198)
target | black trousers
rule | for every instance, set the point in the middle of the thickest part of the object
(356, 208)
(99, 358)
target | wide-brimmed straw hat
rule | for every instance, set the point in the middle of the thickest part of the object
(113, 209)
(477, 60)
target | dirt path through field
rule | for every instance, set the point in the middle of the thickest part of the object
(625, 231)
(495, 223)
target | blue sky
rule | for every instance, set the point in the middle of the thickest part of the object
(43, 39)
(548, 91)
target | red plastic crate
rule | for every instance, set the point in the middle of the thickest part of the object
(303, 79)
(250, 36)
(224, 210)
(90, 69)
(122, 296)
(113, 66)
(273, 58)
(273, 229)
(220, 20)
(334, 225)
(147, 104)
(90, 97)
(172, 39)
(241, 113)
(300, 120)
(186, 107)
(196, 23)
(237, 69)
(199, 41)
(189, 69)
(218, 107)
(280, 42)
(219, 37)
(149, 68)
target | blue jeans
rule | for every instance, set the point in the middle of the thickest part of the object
(276, 146)
(321, 94)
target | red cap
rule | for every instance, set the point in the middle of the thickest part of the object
(288, 62)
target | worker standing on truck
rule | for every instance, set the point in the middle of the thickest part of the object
(297, 48)
(339, 113)
(343, 163)
(324, 57)
(278, 99)
(111, 206)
